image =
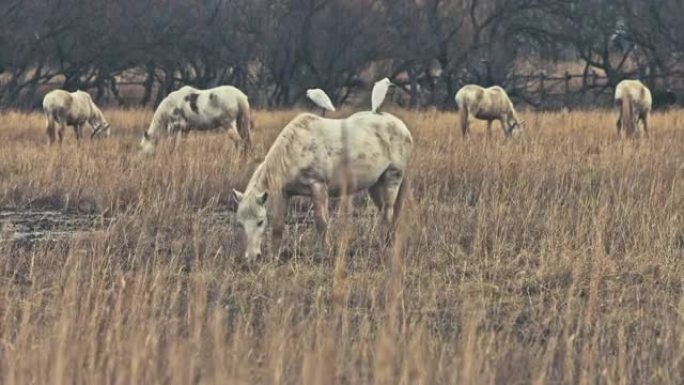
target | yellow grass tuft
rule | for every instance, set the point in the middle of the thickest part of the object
(552, 258)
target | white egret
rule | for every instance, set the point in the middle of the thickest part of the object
(379, 92)
(321, 99)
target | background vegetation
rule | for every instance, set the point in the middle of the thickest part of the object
(275, 49)
(553, 258)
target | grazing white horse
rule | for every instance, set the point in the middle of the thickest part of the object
(191, 109)
(321, 99)
(64, 108)
(634, 101)
(379, 93)
(487, 104)
(319, 157)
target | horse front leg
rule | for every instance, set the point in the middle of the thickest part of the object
(180, 135)
(60, 132)
(278, 224)
(78, 130)
(507, 132)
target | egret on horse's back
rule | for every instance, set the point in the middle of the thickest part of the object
(321, 99)
(379, 93)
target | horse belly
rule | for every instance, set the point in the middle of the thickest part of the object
(485, 116)
(203, 123)
(362, 175)
(336, 176)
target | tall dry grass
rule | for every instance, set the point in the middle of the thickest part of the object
(552, 259)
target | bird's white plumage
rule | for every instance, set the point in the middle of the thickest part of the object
(321, 99)
(379, 92)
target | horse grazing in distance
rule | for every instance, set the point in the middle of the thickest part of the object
(487, 104)
(634, 101)
(64, 108)
(318, 157)
(191, 109)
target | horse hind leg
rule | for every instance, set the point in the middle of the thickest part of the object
(234, 134)
(385, 194)
(619, 124)
(464, 121)
(378, 197)
(644, 119)
(319, 195)
(50, 128)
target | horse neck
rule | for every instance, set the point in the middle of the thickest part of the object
(158, 120)
(97, 116)
(272, 174)
(513, 112)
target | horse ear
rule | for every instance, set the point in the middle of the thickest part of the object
(262, 198)
(237, 196)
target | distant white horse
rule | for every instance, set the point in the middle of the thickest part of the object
(191, 109)
(487, 104)
(64, 108)
(634, 101)
(314, 157)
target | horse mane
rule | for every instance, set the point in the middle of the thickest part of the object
(96, 113)
(273, 173)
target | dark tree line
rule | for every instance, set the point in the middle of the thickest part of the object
(276, 49)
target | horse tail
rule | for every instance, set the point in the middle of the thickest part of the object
(244, 121)
(627, 118)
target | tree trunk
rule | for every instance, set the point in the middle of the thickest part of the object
(149, 83)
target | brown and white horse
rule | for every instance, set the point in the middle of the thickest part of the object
(191, 109)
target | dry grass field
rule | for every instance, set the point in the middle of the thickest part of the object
(556, 258)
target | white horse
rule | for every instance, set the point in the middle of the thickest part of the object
(64, 108)
(319, 157)
(634, 101)
(487, 104)
(191, 109)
